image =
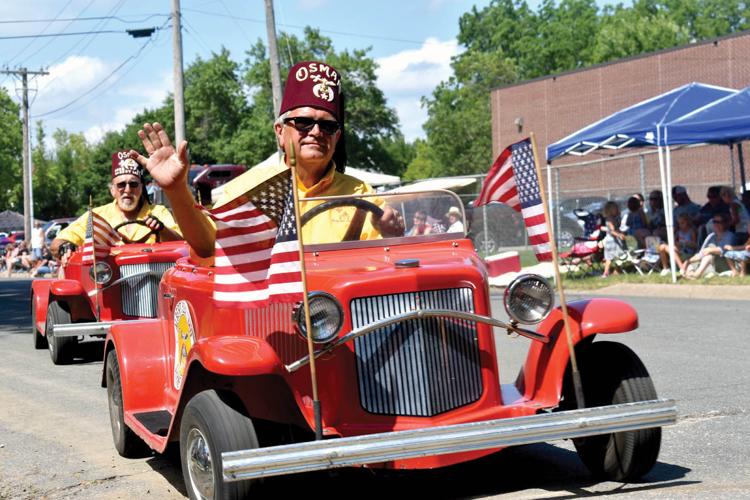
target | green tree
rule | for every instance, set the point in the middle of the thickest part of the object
(11, 147)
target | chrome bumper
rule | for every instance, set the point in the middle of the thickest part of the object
(376, 448)
(78, 329)
(92, 328)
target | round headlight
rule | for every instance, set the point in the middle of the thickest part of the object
(326, 317)
(103, 273)
(529, 299)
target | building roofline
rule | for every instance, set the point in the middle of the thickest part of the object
(714, 41)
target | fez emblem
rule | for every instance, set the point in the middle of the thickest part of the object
(323, 88)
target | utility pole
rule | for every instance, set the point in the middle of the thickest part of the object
(179, 98)
(28, 200)
(273, 53)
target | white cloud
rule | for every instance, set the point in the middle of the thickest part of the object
(67, 81)
(407, 76)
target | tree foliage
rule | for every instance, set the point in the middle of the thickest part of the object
(507, 41)
(11, 147)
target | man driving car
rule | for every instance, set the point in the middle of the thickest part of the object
(311, 121)
(130, 212)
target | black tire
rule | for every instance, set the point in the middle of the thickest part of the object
(127, 443)
(611, 373)
(40, 341)
(61, 349)
(210, 427)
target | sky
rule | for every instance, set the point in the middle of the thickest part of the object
(99, 82)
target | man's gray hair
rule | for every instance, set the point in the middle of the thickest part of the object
(281, 118)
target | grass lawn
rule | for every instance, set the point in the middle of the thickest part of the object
(581, 281)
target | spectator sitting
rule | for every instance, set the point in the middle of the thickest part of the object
(16, 255)
(656, 220)
(45, 265)
(614, 245)
(454, 220)
(685, 240)
(714, 205)
(737, 258)
(713, 246)
(746, 200)
(684, 204)
(635, 222)
(420, 226)
(738, 214)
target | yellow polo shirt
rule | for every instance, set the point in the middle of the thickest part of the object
(76, 231)
(327, 227)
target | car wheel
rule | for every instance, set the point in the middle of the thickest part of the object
(485, 243)
(40, 341)
(611, 373)
(60, 348)
(127, 443)
(209, 428)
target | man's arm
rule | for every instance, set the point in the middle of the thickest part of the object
(169, 168)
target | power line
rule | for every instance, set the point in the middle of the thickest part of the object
(92, 18)
(92, 89)
(43, 30)
(343, 33)
(77, 33)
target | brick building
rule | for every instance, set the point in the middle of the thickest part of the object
(553, 107)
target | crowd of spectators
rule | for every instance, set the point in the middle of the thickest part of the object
(32, 258)
(706, 237)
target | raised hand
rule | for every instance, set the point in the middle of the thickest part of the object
(168, 167)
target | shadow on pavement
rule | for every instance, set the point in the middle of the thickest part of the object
(533, 467)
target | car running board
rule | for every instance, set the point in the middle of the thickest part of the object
(92, 328)
(400, 445)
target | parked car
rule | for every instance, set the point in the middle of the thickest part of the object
(405, 364)
(207, 177)
(65, 311)
(52, 228)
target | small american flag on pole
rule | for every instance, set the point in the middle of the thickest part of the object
(257, 248)
(100, 237)
(513, 180)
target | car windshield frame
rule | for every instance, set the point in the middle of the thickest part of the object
(445, 197)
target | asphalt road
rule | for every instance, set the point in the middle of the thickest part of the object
(55, 439)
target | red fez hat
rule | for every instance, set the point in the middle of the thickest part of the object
(314, 84)
(123, 164)
(317, 85)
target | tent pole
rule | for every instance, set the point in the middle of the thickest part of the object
(642, 168)
(742, 167)
(670, 237)
(553, 220)
(731, 167)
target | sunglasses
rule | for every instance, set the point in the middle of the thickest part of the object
(718, 221)
(132, 184)
(306, 124)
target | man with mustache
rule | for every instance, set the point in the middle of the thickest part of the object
(130, 203)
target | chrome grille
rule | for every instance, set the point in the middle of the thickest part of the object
(420, 367)
(139, 292)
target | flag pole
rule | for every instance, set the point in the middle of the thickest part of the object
(93, 259)
(580, 401)
(310, 349)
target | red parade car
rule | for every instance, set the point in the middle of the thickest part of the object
(405, 363)
(66, 311)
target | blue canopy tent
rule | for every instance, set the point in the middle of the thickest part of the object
(642, 125)
(725, 121)
(638, 125)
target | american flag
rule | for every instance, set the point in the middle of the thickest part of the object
(100, 237)
(512, 180)
(257, 249)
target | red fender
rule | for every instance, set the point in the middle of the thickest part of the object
(542, 375)
(142, 355)
(66, 288)
(40, 289)
(236, 356)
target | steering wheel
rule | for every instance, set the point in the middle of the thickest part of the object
(140, 222)
(355, 228)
